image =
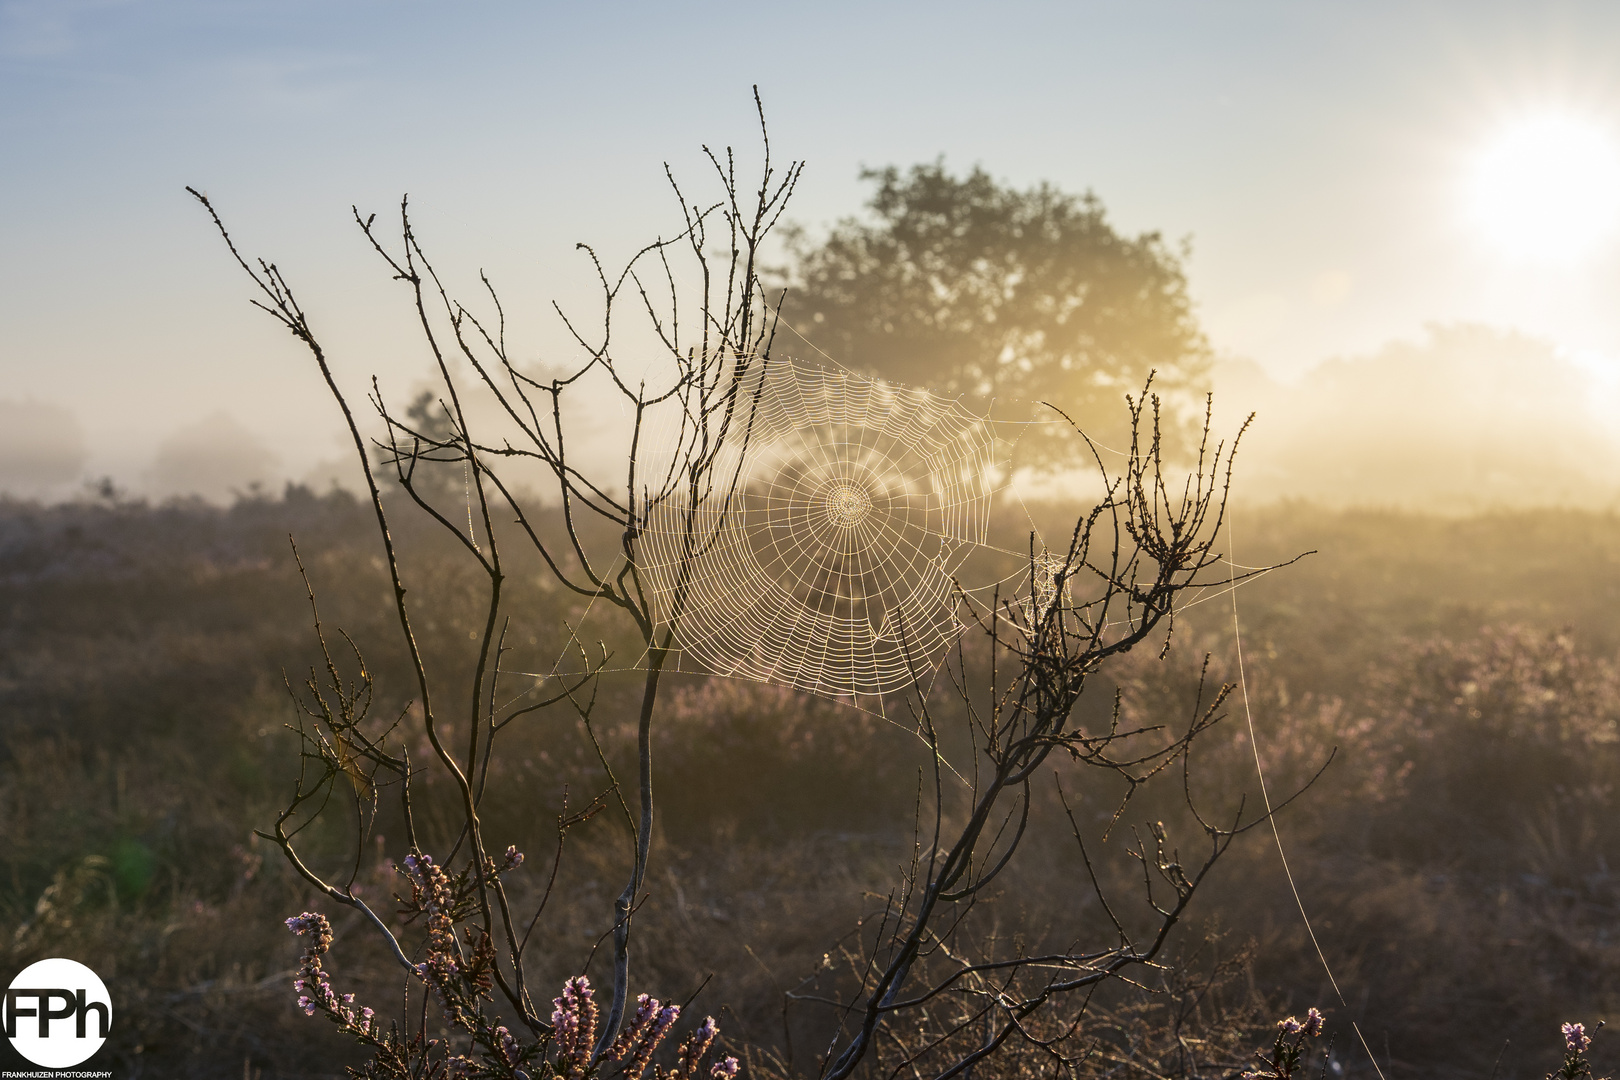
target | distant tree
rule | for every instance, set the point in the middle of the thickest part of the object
(967, 286)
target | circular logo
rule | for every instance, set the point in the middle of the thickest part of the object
(57, 1013)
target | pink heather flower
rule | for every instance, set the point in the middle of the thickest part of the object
(314, 991)
(514, 858)
(631, 1034)
(660, 1027)
(430, 887)
(1575, 1038)
(505, 1045)
(1290, 1026)
(639, 1038)
(573, 1019)
(566, 1027)
(314, 988)
(315, 925)
(696, 1045)
(1313, 1023)
(724, 1070)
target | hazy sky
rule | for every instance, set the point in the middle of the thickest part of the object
(1314, 151)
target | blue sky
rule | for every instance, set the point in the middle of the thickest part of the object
(1312, 150)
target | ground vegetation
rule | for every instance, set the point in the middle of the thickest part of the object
(1455, 859)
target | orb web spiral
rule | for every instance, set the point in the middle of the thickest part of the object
(822, 557)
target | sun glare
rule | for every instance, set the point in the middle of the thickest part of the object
(1546, 188)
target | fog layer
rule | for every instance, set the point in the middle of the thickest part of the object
(1466, 418)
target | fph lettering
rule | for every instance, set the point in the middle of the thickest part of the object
(72, 1004)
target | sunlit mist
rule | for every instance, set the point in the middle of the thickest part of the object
(1546, 188)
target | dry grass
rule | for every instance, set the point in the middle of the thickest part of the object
(1456, 858)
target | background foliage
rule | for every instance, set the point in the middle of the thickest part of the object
(965, 285)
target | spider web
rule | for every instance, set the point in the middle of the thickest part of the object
(823, 557)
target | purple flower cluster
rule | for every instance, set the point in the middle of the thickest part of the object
(693, 1050)
(1290, 1045)
(640, 1037)
(314, 989)
(689, 1059)
(573, 1023)
(1311, 1027)
(313, 986)
(1576, 1041)
(432, 893)
(319, 930)
(505, 1046)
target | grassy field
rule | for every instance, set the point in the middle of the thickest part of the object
(1455, 858)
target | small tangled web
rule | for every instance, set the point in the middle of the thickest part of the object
(823, 557)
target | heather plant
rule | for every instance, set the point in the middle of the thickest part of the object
(1576, 1043)
(567, 1051)
(1283, 1060)
(1286, 1057)
(1456, 860)
(145, 739)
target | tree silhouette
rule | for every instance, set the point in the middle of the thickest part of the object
(968, 286)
